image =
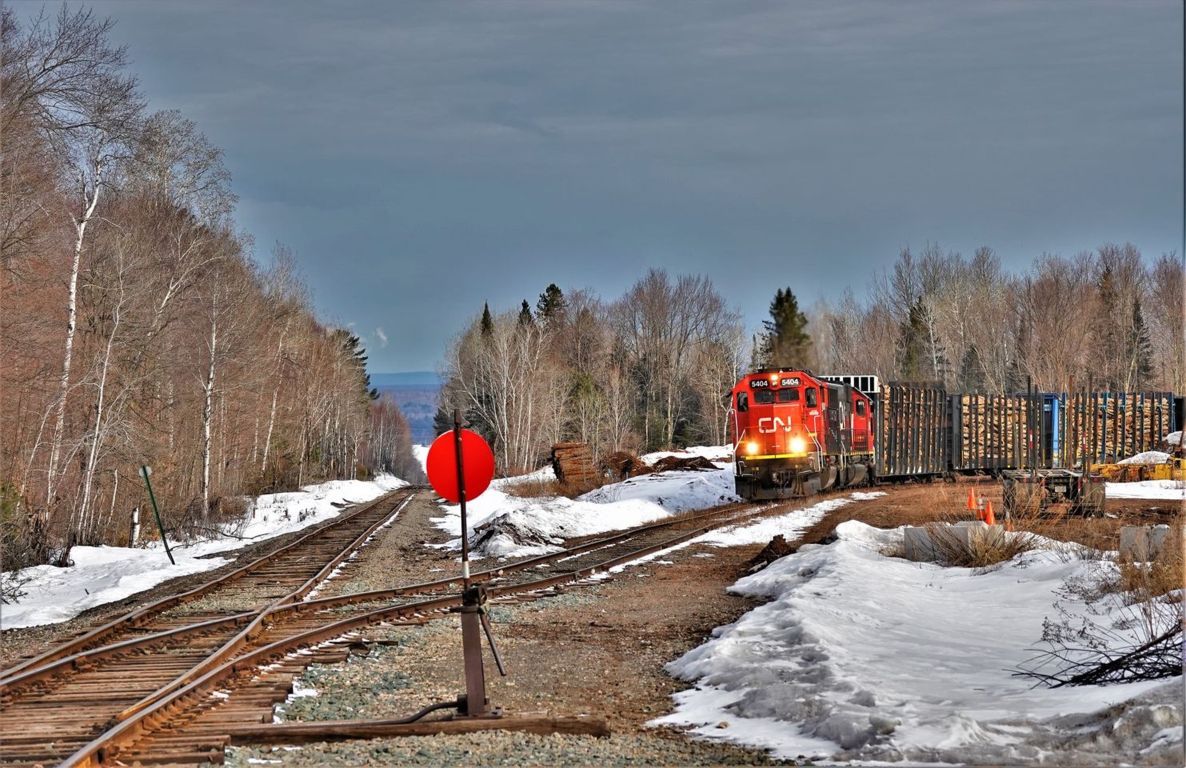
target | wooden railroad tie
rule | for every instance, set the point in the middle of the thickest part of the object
(338, 730)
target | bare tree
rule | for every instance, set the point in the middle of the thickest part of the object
(1167, 320)
(89, 111)
(659, 323)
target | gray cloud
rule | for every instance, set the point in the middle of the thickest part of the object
(422, 158)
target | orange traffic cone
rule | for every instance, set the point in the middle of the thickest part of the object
(988, 515)
(971, 500)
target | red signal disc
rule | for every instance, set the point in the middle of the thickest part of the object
(477, 460)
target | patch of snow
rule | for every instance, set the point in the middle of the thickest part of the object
(1148, 457)
(791, 525)
(719, 454)
(103, 575)
(420, 453)
(541, 475)
(1147, 489)
(612, 507)
(860, 656)
(1173, 438)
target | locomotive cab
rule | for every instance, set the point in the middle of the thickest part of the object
(794, 435)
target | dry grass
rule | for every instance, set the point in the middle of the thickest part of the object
(1150, 579)
(981, 549)
(537, 488)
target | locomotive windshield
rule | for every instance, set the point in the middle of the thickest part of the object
(763, 397)
(787, 395)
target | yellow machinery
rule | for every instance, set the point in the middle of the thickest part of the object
(1173, 469)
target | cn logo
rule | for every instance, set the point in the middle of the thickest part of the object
(771, 424)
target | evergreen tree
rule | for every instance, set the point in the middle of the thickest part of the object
(913, 362)
(971, 376)
(551, 304)
(1141, 347)
(1105, 333)
(785, 342)
(1016, 379)
(358, 358)
(487, 327)
(525, 317)
(442, 420)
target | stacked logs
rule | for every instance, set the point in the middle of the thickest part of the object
(573, 464)
(993, 431)
(1106, 426)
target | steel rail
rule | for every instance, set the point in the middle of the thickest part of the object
(230, 656)
(50, 660)
(81, 661)
(256, 626)
(284, 607)
(521, 565)
(143, 720)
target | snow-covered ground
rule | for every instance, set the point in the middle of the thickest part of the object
(612, 507)
(1147, 489)
(1148, 457)
(860, 656)
(105, 574)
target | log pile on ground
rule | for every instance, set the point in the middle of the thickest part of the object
(573, 464)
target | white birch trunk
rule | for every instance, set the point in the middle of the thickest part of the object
(271, 424)
(97, 437)
(208, 415)
(55, 450)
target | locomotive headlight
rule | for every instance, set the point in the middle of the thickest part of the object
(774, 378)
(751, 448)
(798, 445)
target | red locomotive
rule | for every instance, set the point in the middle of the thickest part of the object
(796, 434)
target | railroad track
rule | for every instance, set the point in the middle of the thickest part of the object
(194, 716)
(204, 696)
(59, 700)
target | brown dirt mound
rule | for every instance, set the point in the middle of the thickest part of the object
(694, 463)
(623, 464)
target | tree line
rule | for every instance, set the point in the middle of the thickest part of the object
(652, 369)
(135, 327)
(1101, 320)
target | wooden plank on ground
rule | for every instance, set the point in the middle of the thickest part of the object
(337, 730)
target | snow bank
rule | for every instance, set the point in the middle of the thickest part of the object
(1148, 457)
(1173, 438)
(632, 502)
(1148, 489)
(790, 525)
(545, 521)
(420, 453)
(863, 656)
(103, 575)
(721, 454)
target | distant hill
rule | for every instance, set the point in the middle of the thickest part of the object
(415, 393)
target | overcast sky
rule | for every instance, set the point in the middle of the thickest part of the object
(423, 157)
